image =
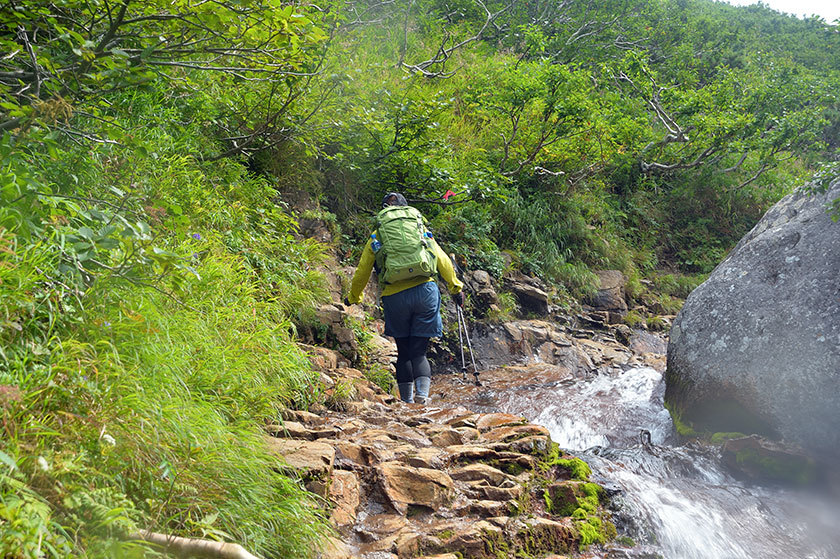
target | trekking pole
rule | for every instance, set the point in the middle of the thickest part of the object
(469, 345)
(461, 344)
(462, 323)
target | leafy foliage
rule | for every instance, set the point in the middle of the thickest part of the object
(146, 286)
(151, 270)
(641, 133)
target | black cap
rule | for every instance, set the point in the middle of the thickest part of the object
(398, 199)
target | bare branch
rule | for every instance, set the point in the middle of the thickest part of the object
(34, 61)
(443, 53)
(738, 164)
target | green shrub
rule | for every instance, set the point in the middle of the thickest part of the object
(466, 230)
(656, 323)
(381, 376)
(508, 307)
(137, 371)
(633, 319)
(676, 285)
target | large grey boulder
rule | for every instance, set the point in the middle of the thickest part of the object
(756, 348)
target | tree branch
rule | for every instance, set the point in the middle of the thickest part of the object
(36, 94)
(442, 55)
(192, 547)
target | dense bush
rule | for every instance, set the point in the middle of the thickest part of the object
(145, 338)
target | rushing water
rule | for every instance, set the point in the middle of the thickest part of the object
(676, 502)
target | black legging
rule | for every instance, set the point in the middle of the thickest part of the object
(411, 359)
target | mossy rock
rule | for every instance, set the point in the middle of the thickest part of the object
(758, 459)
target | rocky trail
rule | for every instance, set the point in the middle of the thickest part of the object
(458, 477)
(455, 478)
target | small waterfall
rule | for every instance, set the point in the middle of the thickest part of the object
(676, 502)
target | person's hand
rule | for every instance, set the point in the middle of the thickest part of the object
(346, 302)
(458, 298)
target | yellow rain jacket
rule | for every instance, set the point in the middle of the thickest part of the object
(362, 275)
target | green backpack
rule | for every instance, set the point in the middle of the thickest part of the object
(406, 250)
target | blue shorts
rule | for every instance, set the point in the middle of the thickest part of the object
(413, 312)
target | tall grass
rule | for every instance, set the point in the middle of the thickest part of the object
(138, 400)
(552, 239)
(150, 415)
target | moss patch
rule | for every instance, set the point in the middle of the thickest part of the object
(592, 527)
(683, 429)
(445, 534)
(581, 501)
(783, 468)
(720, 438)
(577, 468)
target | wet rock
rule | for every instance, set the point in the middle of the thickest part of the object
(380, 454)
(406, 485)
(375, 527)
(539, 535)
(471, 541)
(610, 294)
(407, 544)
(425, 458)
(484, 296)
(646, 342)
(288, 430)
(529, 292)
(606, 353)
(494, 420)
(482, 472)
(442, 436)
(468, 434)
(493, 493)
(594, 319)
(486, 508)
(464, 421)
(334, 548)
(323, 359)
(526, 341)
(295, 430)
(457, 479)
(537, 445)
(535, 330)
(346, 373)
(514, 461)
(386, 545)
(344, 494)
(760, 460)
(395, 432)
(501, 434)
(307, 457)
(304, 417)
(469, 453)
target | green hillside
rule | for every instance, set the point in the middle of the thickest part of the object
(151, 270)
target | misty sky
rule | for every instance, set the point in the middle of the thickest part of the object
(827, 9)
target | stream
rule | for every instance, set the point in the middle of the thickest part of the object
(675, 501)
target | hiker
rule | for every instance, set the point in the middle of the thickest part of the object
(407, 258)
